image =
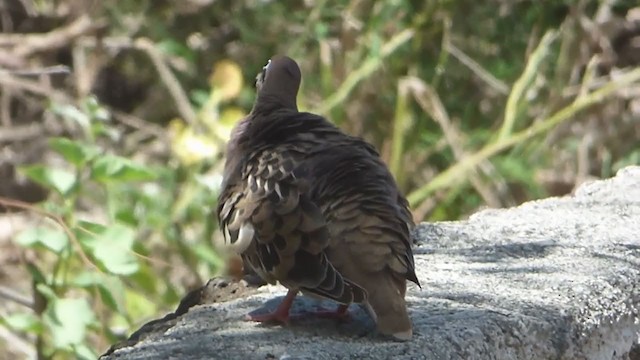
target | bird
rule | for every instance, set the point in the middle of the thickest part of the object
(315, 209)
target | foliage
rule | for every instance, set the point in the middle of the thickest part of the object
(104, 268)
(470, 105)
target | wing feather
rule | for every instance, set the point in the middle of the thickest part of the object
(269, 218)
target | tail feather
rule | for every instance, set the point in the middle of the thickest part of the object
(387, 301)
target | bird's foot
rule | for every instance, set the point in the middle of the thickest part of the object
(278, 317)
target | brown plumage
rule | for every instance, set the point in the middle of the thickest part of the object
(315, 209)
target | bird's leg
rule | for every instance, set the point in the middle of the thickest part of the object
(340, 313)
(281, 314)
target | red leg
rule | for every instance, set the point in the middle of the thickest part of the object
(280, 315)
(340, 313)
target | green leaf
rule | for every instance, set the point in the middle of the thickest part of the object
(139, 306)
(72, 113)
(109, 288)
(110, 168)
(57, 179)
(54, 240)
(47, 292)
(83, 352)
(112, 248)
(37, 275)
(147, 279)
(67, 320)
(92, 106)
(88, 229)
(207, 254)
(73, 151)
(26, 322)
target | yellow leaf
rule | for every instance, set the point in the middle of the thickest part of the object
(226, 80)
(189, 146)
(228, 119)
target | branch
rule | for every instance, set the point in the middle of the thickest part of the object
(459, 171)
(21, 132)
(477, 69)
(169, 80)
(367, 68)
(26, 45)
(12, 295)
(520, 86)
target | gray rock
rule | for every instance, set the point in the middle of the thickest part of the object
(551, 279)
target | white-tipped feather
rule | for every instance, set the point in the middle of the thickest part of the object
(278, 191)
(245, 236)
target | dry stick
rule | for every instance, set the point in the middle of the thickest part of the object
(48, 70)
(17, 204)
(367, 68)
(26, 45)
(401, 120)
(521, 85)
(59, 96)
(458, 171)
(483, 74)
(33, 87)
(12, 295)
(21, 132)
(420, 211)
(160, 62)
(430, 103)
(140, 124)
(5, 108)
(169, 80)
(17, 343)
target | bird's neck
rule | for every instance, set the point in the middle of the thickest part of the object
(267, 103)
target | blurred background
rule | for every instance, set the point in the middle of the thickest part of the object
(114, 115)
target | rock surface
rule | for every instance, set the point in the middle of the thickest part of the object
(551, 279)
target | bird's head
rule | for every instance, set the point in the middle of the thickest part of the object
(279, 82)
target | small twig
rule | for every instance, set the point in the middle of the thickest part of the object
(49, 70)
(26, 45)
(420, 211)
(12, 295)
(17, 204)
(366, 69)
(34, 87)
(21, 132)
(169, 80)
(17, 343)
(459, 171)
(573, 90)
(137, 123)
(5, 108)
(521, 85)
(477, 69)
(431, 104)
(401, 123)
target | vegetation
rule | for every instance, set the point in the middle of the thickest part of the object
(114, 115)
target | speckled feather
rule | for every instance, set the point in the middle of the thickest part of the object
(316, 209)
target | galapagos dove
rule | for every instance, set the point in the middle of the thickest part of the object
(315, 209)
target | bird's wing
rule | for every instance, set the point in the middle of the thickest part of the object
(364, 209)
(370, 225)
(270, 219)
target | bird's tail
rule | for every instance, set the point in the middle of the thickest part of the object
(389, 308)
